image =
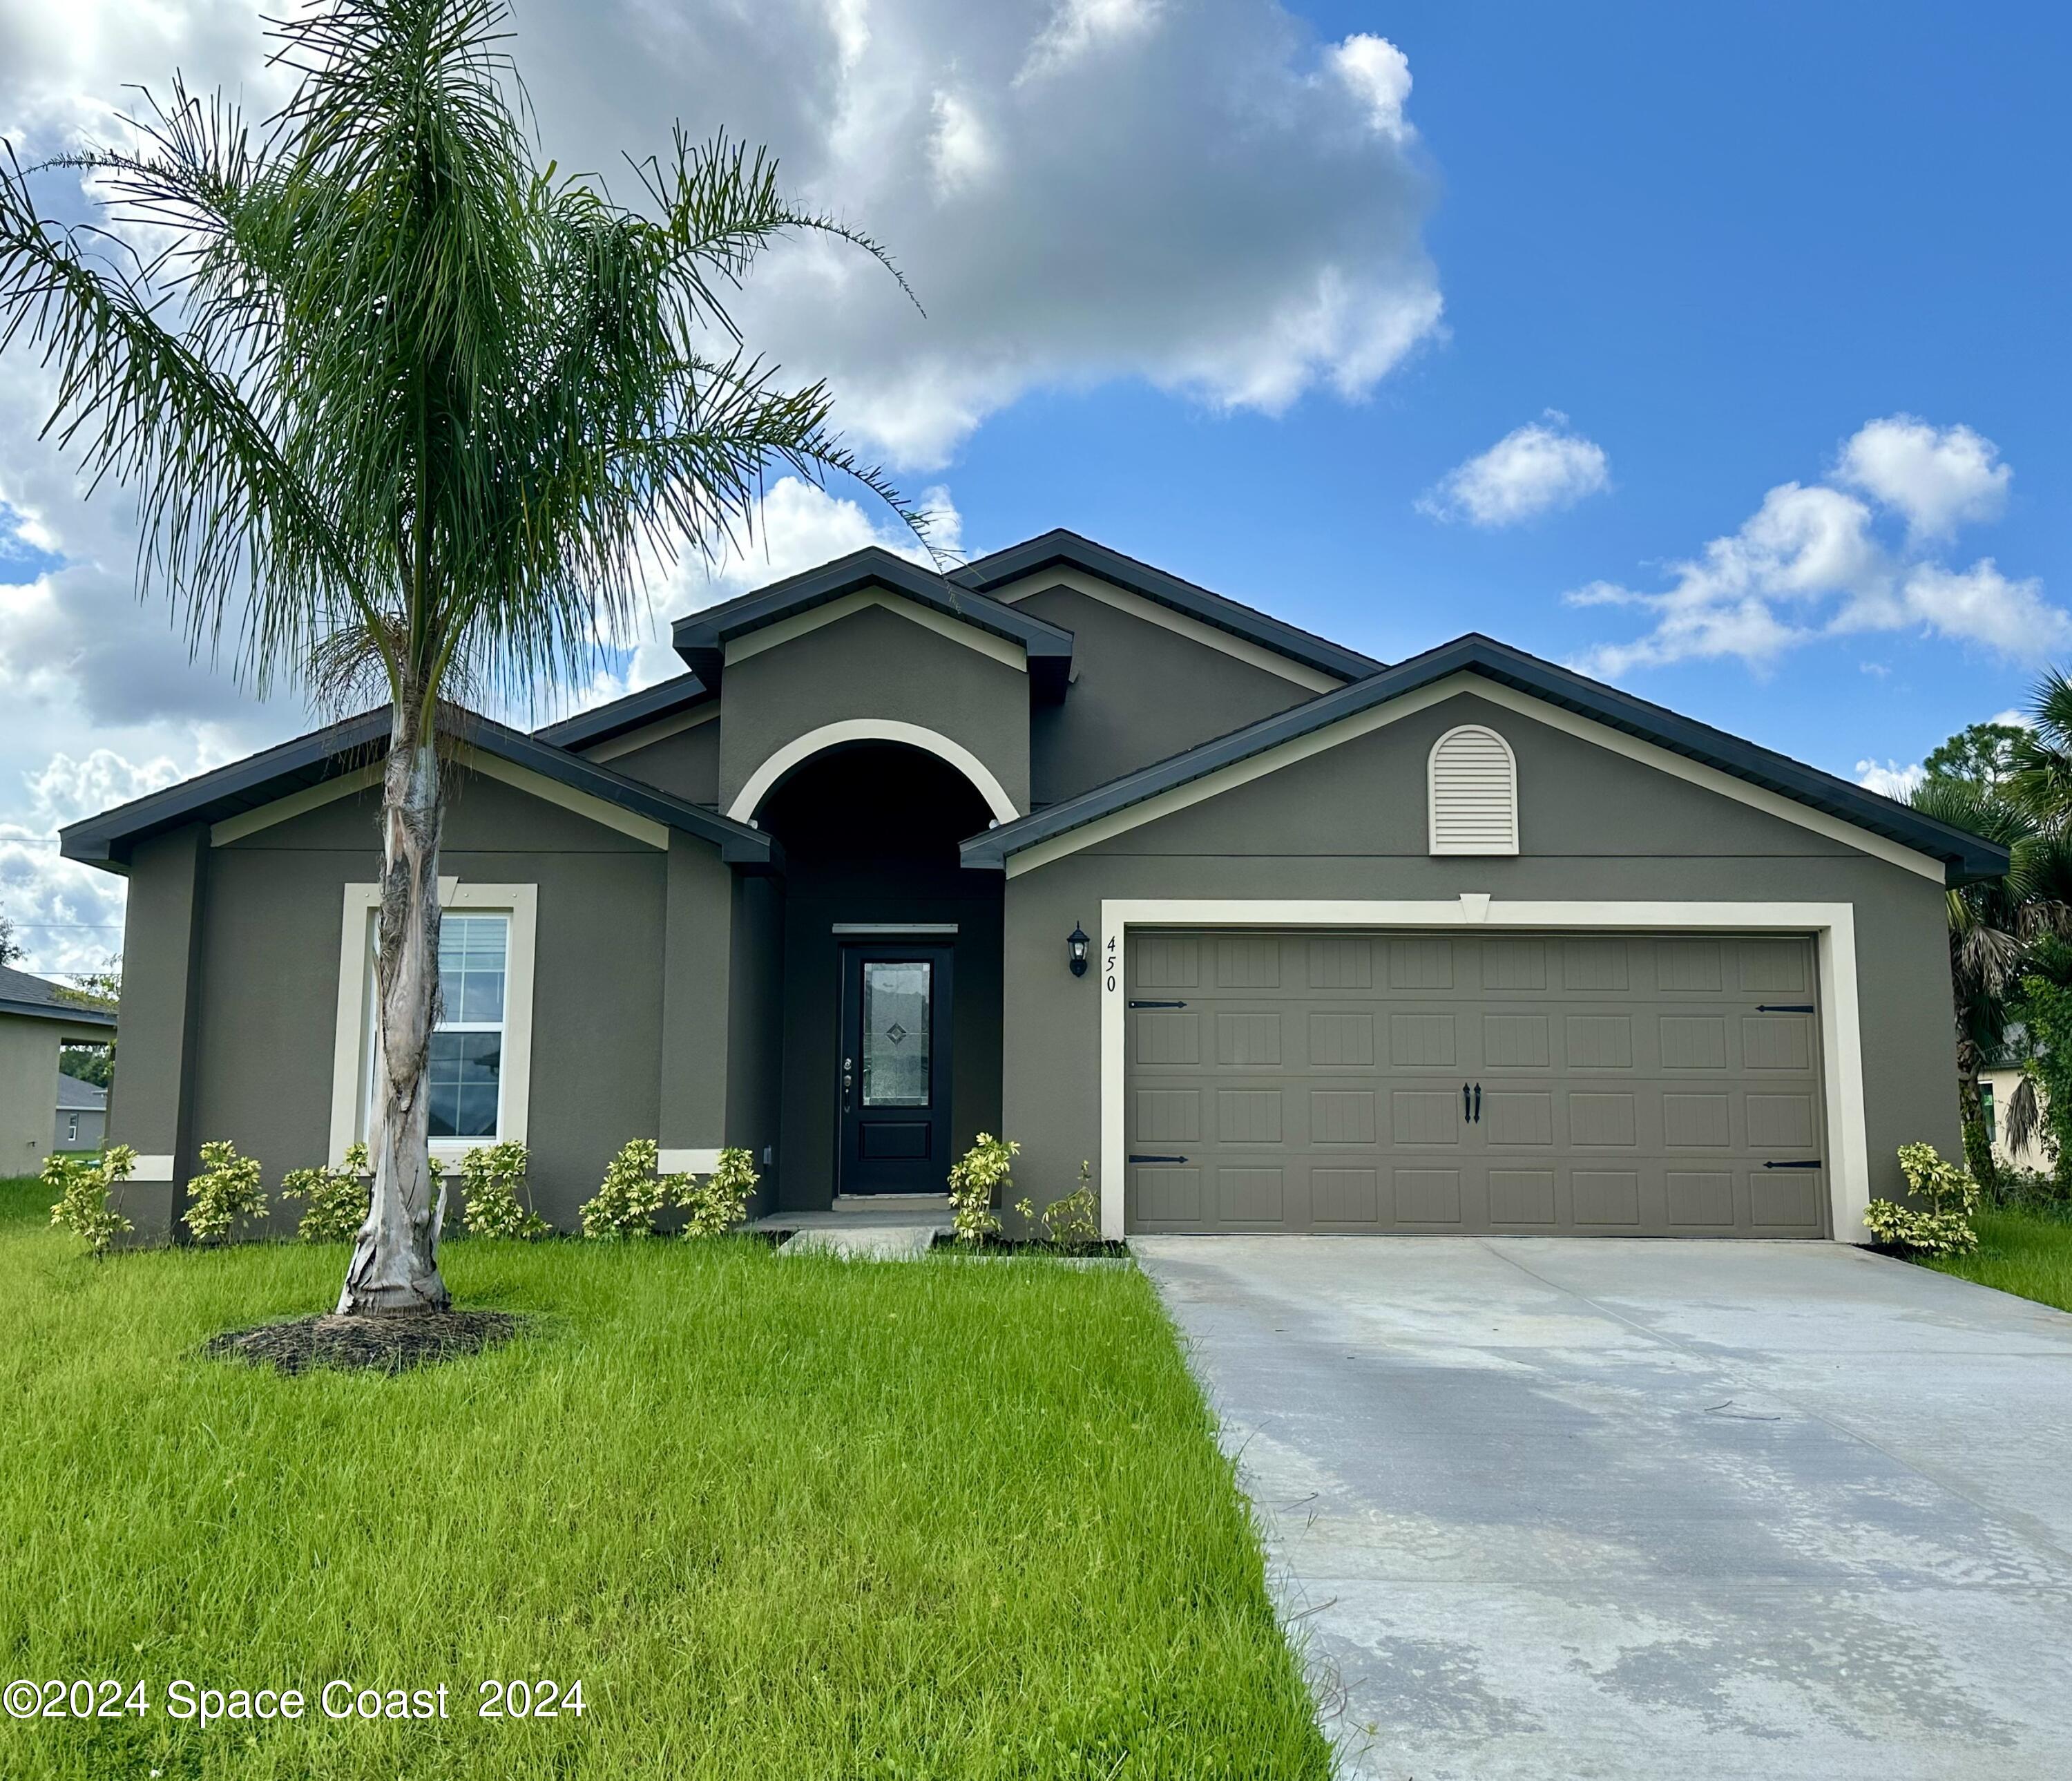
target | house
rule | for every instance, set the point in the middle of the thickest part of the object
(82, 1122)
(1276, 936)
(1998, 1083)
(38, 1018)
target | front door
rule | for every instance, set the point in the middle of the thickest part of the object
(895, 1070)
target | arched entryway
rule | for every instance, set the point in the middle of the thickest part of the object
(891, 1000)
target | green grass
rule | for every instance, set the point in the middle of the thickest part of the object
(783, 1520)
(2025, 1253)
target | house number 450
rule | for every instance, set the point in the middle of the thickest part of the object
(1108, 970)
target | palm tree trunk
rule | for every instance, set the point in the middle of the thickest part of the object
(395, 1264)
(1971, 1112)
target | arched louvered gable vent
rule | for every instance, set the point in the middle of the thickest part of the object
(1472, 786)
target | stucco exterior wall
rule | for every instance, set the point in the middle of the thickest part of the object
(1350, 824)
(684, 764)
(261, 1019)
(875, 663)
(1140, 693)
(28, 1092)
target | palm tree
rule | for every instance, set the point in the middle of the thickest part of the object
(404, 412)
(1995, 926)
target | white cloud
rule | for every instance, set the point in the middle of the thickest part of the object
(1937, 480)
(1530, 470)
(1810, 563)
(1891, 779)
(1378, 75)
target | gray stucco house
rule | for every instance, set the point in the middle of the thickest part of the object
(82, 1121)
(38, 1018)
(1467, 942)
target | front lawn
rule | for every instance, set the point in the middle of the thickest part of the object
(2025, 1253)
(781, 1518)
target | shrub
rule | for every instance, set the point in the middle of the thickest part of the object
(226, 1193)
(489, 1185)
(338, 1197)
(982, 1174)
(714, 1206)
(633, 1192)
(1073, 1223)
(83, 1187)
(1944, 1228)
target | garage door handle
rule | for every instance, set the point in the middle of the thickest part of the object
(1813, 1162)
(1784, 1008)
(1135, 1159)
(1158, 1005)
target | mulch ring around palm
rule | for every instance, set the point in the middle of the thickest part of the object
(389, 1342)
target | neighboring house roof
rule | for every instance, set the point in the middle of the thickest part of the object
(1966, 857)
(339, 748)
(75, 1096)
(1067, 549)
(650, 705)
(701, 638)
(40, 999)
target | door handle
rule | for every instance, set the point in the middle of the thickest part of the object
(1467, 1107)
(848, 1084)
(1478, 1104)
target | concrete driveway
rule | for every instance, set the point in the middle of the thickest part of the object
(1553, 1508)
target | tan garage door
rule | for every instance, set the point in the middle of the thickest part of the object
(1619, 1085)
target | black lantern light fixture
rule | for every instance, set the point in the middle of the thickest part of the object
(1076, 943)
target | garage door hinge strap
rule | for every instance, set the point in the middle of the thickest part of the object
(1813, 1162)
(1784, 1008)
(1158, 1005)
(1134, 1157)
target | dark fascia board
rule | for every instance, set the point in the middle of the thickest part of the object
(650, 705)
(58, 1011)
(701, 638)
(108, 839)
(1966, 857)
(1068, 549)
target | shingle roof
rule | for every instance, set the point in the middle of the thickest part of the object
(40, 999)
(76, 1096)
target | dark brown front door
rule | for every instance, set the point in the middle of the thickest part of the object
(895, 1070)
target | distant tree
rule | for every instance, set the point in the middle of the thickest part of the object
(1984, 754)
(11, 948)
(103, 989)
(93, 1063)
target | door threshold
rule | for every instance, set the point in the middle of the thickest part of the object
(890, 1203)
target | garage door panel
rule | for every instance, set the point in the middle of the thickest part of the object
(1630, 1084)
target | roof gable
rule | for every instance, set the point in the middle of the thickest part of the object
(703, 638)
(1061, 548)
(1789, 788)
(347, 749)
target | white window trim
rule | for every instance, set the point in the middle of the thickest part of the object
(1832, 925)
(350, 1067)
(1468, 848)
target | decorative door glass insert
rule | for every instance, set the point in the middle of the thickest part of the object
(896, 1033)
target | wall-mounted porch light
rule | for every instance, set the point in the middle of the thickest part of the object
(1076, 943)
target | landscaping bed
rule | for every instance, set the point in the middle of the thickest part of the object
(776, 1516)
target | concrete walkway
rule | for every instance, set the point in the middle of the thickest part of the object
(885, 1227)
(1548, 1508)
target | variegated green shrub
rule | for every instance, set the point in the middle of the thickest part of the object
(226, 1193)
(83, 1187)
(981, 1179)
(717, 1204)
(338, 1197)
(490, 1176)
(1944, 1226)
(633, 1193)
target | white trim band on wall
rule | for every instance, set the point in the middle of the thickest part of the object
(854, 729)
(1833, 926)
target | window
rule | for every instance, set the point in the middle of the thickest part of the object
(478, 1075)
(1986, 1112)
(465, 1073)
(72, 1129)
(1472, 784)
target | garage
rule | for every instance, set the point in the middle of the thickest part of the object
(1644, 1084)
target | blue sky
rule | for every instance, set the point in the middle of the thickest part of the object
(1719, 239)
(1239, 287)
